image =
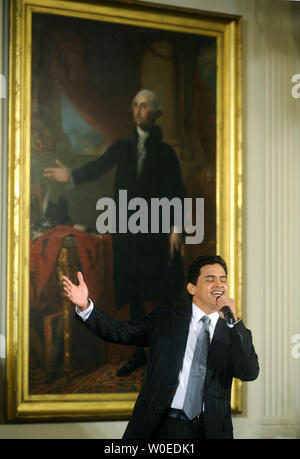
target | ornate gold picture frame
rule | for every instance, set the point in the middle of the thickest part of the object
(197, 55)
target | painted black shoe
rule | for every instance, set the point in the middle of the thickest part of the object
(131, 365)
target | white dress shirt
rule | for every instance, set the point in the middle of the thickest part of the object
(86, 313)
(197, 314)
(142, 137)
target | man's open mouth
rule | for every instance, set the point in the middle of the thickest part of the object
(217, 293)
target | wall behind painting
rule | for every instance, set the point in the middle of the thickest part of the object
(271, 145)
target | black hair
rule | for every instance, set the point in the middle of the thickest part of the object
(196, 265)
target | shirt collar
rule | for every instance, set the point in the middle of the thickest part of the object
(141, 133)
(197, 315)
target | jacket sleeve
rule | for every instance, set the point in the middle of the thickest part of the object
(96, 168)
(135, 332)
(175, 177)
(174, 187)
(244, 360)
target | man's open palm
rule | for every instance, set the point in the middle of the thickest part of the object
(59, 174)
(78, 294)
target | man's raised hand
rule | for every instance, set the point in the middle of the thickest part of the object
(59, 174)
(78, 294)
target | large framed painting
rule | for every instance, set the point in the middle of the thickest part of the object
(77, 69)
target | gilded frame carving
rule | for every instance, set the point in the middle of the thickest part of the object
(227, 30)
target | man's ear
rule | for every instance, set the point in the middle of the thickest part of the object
(191, 288)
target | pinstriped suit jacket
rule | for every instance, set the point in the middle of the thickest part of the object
(165, 331)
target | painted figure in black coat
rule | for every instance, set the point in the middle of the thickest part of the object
(171, 334)
(147, 266)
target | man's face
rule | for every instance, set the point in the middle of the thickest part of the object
(211, 284)
(142, 112)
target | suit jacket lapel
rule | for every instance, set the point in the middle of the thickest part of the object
(180, 322)
(217, 347)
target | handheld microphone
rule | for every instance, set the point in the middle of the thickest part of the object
(228, 316)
